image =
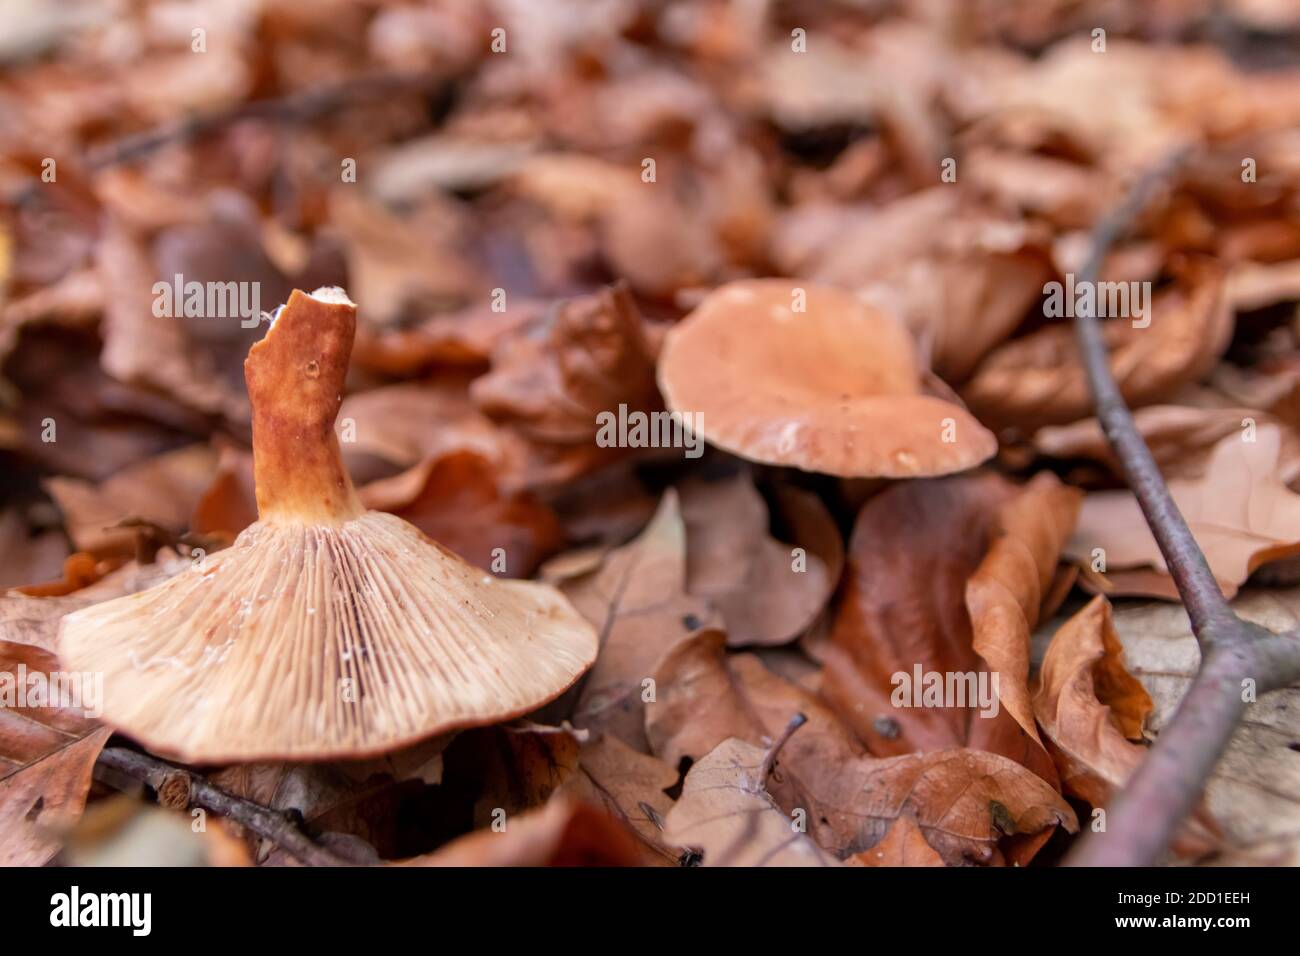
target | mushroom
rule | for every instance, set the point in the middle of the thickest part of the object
(325, 630)
(789, 373)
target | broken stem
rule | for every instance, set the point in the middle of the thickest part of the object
(1143, 817)
(769, 759)
(180, 788)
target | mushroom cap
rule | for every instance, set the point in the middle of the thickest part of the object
(835, 388)
(325, 631)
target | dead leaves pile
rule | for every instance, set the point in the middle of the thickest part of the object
(517, 266)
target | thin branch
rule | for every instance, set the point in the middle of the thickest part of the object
(769, 758)
(1196, 584)
(293, 108)
(1144, 816)
(179, 788)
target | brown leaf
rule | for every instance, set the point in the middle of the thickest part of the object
(410, 422)
(1240, 512)
(44, 796)
(396, 267)
(47, 749)
(143, 349)
(521, 764)
(1254, 792)
(850, 800)
(1005, 595)
(903, 845)
(455, 499)
(1091, 708)
(631, 787)
(162, 491)
(914, 547)
(765, 594)
(589, 355)
(229, 504)
(28, 556)
(563, 833)
(1181, 439)
(638, 603)
(725, 812)
(463, 337)
(1038, 380)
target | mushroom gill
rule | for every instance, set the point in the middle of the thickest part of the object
(325, 630)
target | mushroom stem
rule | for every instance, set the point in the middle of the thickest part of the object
(295, 379)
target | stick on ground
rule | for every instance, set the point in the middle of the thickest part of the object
(1144, 816)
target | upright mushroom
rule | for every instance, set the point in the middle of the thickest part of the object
(792, 373)
(326, 630)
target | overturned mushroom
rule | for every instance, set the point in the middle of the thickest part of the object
(796, 374)
(326, 630)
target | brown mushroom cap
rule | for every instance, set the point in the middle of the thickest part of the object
(326, 630)
(834, 388)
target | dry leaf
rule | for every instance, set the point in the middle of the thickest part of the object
(903, 845)
(631, 787)
(589, 355)
(903, 608)
(563, 833)
(455, 500)
(1239, 510)
(162, 491)
(1006, 593)
(726, 813)
(1254, 792)
(1038, 380)
(965, 801)
(1181, 439)
(637, 602)
(765, 592)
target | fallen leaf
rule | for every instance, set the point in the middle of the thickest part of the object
(1181, 439)
(849, 800)
(48, 747)
(455, 500)
(638, 603)
(766, 593)
(1038, 379)
(902, 606)
(1239, 511)
(44, 796)
(726, 813)
(631, 787)
(162, 491)
(1005, 595)
(903, 845)
(589, 355)
(563, 833)
(1254, 792)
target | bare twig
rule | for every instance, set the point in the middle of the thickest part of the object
(294, 108)
(769, 758)
(1143, 817)
(179, 788)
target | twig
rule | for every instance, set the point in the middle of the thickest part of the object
(179, 788)
(769, 758)
(1143, 817)
(300, 107)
